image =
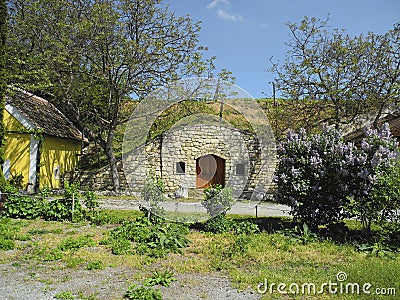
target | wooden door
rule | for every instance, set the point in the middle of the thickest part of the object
(210, 169)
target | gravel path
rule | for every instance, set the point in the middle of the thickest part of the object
(263, 209)
(44, 283)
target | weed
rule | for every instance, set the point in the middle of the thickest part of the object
(152, 239)
(142, 293)
(64, 295)
(95, 265)
(301, 234)
(6, 244)
(160, 278)
(73, 244)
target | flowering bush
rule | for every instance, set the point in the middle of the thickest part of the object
(325, 179)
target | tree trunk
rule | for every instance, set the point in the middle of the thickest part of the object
(114, 169)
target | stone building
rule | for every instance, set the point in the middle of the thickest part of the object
(192, 157)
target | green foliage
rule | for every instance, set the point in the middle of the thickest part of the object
(67, 208)
(16, 181)
(218, 224)
(67, 295)
(91, 200)
(102, 59)
(95, 265)
(221, 224)
(301, 234)
(23, 206)
(150, 239)
(385, 197)
(73, 244)
(377, 249)
(6, 243)
(160, 278)
(120, 246)
(142, 293)
(3, 79)
(217, 200)
(347, 75)
(152, 194)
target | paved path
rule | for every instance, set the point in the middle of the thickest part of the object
(265, 209)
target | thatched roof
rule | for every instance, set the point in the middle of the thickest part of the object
(43, 115)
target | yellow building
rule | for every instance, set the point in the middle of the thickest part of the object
(41, 143)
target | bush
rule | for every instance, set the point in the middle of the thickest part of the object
(67, 208)
(142, 293)
(23, 206)
(152, 239)
(324, 179)
(152, 194)
(217, 200)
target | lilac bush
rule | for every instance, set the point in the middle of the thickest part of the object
(325, 179)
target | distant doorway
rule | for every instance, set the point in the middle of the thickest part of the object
(210, 169)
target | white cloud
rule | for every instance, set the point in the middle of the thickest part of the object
(215, 3)
(227, 16)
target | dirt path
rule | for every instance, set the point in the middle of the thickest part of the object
(44, 283)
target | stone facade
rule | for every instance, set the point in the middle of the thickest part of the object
(247, 166)
(175, 155)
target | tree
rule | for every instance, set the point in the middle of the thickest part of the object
(347, 75)
(3, 76)
(91, 56)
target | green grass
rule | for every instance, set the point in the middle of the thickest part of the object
(248, 260)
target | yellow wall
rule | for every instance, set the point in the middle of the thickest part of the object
(61, 153)
(55, 152)
(16, 148)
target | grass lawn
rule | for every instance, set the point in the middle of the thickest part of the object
(283, 262)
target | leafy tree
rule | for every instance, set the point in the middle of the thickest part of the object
(91, 56)
(348, 75)
(3, 77)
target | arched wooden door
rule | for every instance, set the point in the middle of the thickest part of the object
(210, 169)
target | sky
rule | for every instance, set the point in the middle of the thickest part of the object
(245, 34)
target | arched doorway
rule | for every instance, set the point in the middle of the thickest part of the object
(210, 169)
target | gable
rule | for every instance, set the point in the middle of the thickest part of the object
(34, 112)
(11, 124)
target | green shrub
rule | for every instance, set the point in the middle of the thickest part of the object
(152, 239)
(160, 278)
(6, 244)
(217, 200)
(95, 265)
(221, 224)
(23, 206)
(90, 200)
(142, 293)
(218, 224)
(73, 244)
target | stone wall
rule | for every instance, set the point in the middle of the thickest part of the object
(189, 143)
(185, 145)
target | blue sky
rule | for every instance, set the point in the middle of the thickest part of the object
(245, 34)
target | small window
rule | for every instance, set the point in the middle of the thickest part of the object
(180, 167)
(57, 173)
(240, 169)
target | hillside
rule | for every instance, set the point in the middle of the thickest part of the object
(284, 115)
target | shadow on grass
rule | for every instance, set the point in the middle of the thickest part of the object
(346, 232)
